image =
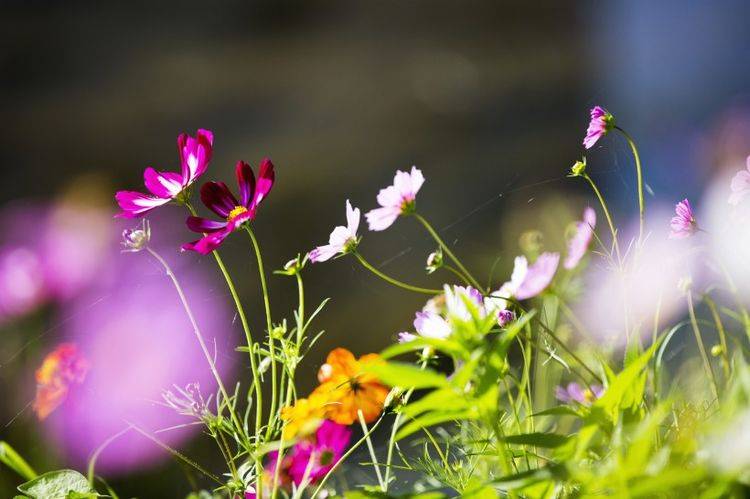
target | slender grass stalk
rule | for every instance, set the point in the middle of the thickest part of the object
(639, 175)
(371, 449)
(722, 335)
(607, 215)
(269, 327)
(701, 346)
(448, 251)
(391, 280)
(95, 455)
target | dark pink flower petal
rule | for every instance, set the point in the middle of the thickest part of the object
(683, 224)
(601, 122)
(135, 204)
(246, 182)
(201, 225)
(538, 276)
(217, 198)
(163, 184)
(208, 243)
(266, 178)
(195, 154)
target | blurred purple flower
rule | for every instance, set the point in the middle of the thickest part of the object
(195, 154)
(397, 199)
(601, 123)
(218, 198)
(22, 283)
(317, 456)
(683, 224)
(504, 317)
(576, 393)
(580, 241)
(342, 239)
(740, 185)
(431, 325)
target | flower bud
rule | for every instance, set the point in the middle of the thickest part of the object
(717, 350)
(134, 240)
(578, 168)
(434, 261)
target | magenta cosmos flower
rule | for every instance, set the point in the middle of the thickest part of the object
(683, 224)
(579, 243)
(397, 199)
(601, 123)
(342, 239)
(740, 185)
(320, 454)
(576, 393)
(217, 198)
(195, 154)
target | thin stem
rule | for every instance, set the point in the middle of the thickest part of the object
(611, 224)
(639, 174)
(701, 347)
(448, 251)
(562, 344)
(345, 456)
(371, 449)
(269, 326)
(457, 274)
(722, 335)
(199, 336)
(393, 281)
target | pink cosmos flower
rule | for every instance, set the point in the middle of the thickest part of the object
(576, 393)
(195, 154)
(740, 185)
(217, 198)
(683, 224)
(580, 241)
(601, 123)
(397, 199)
(527, 281)
(319, 455)
(431, 325)
(458, 300)
(342, 239)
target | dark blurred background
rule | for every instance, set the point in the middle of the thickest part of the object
(490, 99)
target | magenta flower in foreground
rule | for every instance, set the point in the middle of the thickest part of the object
(601, 123)
(740, 185)
(397, 199)
(580, 241)
(195, 154)
(318, 456)
(342, 239)
(217, 198)
(683, 224)
(576, 393)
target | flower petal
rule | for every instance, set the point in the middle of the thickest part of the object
(538, 276)
(163, 184)
(382, 218)
(136, 204)
(246, 182)
(208, 243)
(204, 225)
(195, 154)
(218, 198)
(266, 178)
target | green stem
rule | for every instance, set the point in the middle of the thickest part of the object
(701, 347)
(457, 274)
(607, 215)
(199, 337)
(371, 449)
(393, 281)
(448, 251)
(639, 174)
(722, 336)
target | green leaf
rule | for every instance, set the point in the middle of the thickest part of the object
(546, 440)
(58, 485)
(560, 410)
(13, 460)
(449, 347)
(444, 398)
(407, 376)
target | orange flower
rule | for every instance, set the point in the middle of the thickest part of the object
(304, 417)
(61, 368)
(349, 389)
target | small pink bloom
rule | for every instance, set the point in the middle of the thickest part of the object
(431, 325)
(527, 281)
(217, 198)
(580, 241)
(342, 239)
(504, 317)
(576, 393)
(195, 154)
(397, 199)
(405, 337)
(683, 224)
(601, 123)
(458, 299)
(319, 455)
(740, 185)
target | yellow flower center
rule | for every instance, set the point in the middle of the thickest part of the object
(588, 395)
(237, 211)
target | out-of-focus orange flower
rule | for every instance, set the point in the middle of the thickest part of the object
(304, 417)
(61, 368)
(349, 389)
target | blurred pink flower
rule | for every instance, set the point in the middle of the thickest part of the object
(195, 154)
(459, 298)
(317, 456)
(343, 238)
(601, 123)
(397, 199)
(60, 369)
(22, 282)
(683, 224)
(740, 185)
(504, 317)
(218, 198)
(580, 241)
(527, 281)
(431, 325)
(576, 393)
